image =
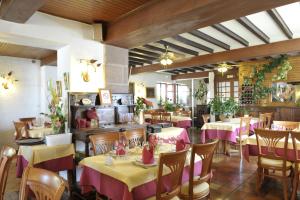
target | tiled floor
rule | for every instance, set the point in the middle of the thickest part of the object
(232, 179)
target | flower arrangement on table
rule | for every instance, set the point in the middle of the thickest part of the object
(56, 115)
(142, 104)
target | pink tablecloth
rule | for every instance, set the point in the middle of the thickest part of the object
(183, 135)
(117, 190)
(183, 124)
(55, 165)
(222, 134)
(252, 150)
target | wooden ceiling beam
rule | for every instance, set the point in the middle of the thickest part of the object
(192, 43)
(178, 48)
(253, 29)
(135, 63)
(209, 39)
(49, 60)
(171, 71)
(190, 75)
(131, 54)
(276, 48)
(199, 68)
(19, 11)
(154, 48)
(161, 19)
(140, 60)
(280, 23)
(189, 69)
(231, 34)
(145, 52)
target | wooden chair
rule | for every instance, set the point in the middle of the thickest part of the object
(6, 156)
(243, 132)
(186, 113)
(173, 162)
(205, 118)
(268, 120)
(166, 117)
(21, 130)
(286, 125)
(43, 183)
(104, 142)
(198, 186)
(135, 137)
(269, 159)
(155, 117)
(296, 139)
(261, 121)
(28, 121)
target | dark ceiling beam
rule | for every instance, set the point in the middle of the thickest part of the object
(181, 70)
(189, 69)
(145, 52)
(209, 39)
(154, 48)
(139, 60)
(49, 60)
(131, 54)
(164, 18)
(178, 48)
(199, 68)
(280, 23)
(135, 63)
(192, 43)
(19, 11)
(190, 75)
(231, 34)
(171, 71)
(253, 29)
(276, 48)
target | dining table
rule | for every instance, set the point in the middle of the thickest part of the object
(250, 147)
(227, 131)
(171, 134)
(177, 120)
(123, 178)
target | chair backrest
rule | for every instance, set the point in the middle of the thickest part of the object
(43, 183)
(104, 142)
(155, 117)
(205, 118)
(21, 129)
(173, 163)
(270, 140)
(186, 113)
(166, 117)
(262, 121)
(205, 152)
(296, 140)
(6, 155)
(28, 120)
(286, 125)
(135, 137)
(268, 119)
(244, 126)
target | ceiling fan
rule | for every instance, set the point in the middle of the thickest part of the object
(224, 67)
(168, 57)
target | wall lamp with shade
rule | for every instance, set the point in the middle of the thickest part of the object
(89, 66)
(7, 81)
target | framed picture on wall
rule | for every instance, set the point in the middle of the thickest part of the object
(150, 92)
(283, 92)
(105, 97)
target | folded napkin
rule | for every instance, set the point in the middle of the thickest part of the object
(153, 140)
(180, 145)
(148, 155)
(120, 149)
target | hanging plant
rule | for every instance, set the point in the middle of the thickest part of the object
(257, 77)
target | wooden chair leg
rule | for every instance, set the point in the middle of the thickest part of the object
(285, 189)
(258, 180)
(295, 186)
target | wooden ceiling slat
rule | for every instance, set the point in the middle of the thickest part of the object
(145, 52)
(178, 48)
(193, 44)
(131, 54)
(190, 75)
(140, 60)
(253, 29)
(135, 63)
(281, 23)
(154, 48)
(210, 39)
(231, 34)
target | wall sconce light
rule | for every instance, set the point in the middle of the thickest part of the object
(7, 81)
(89, 65)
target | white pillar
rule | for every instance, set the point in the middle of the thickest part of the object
(211, 90)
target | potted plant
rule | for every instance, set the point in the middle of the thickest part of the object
(216, 106)
(169, 107)
(141, 105)
(224, 110)
(230, 107)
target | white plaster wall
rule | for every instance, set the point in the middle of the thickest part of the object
(24, 99)
(48, 73)
(148, 80)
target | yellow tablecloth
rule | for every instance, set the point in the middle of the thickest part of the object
(39, 132)
(232, 125)
(124, 169)
(40, 153)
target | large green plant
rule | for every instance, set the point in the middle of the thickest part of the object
(216, 106)
(228, 107)
(169, 107)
